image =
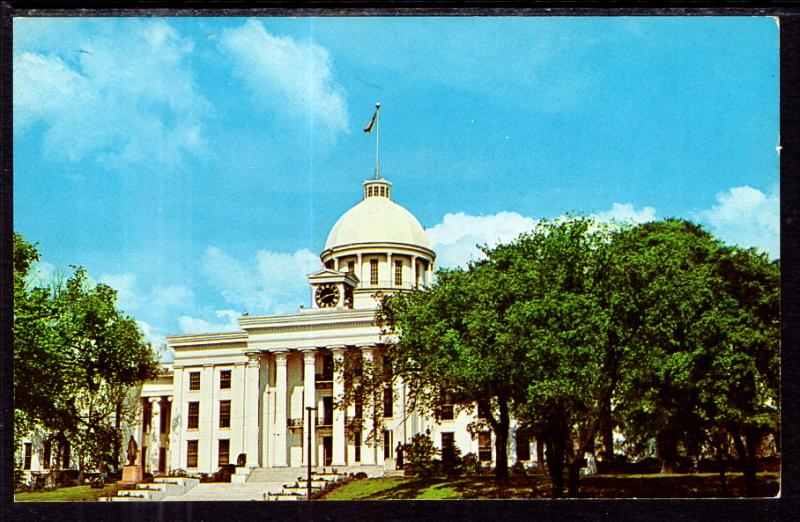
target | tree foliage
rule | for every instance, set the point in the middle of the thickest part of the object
(76, 356)
(576, 327)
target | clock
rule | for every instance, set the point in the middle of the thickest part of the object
(327, 295)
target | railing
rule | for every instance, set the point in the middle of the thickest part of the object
(295, 423)
(324, 384)
(323, 422)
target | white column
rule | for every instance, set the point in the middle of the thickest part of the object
(339, 439)
(178, 424)
(310, 400)
(168, 436)
(266, 417)
(367, 450)
(391, 269)
(359, 270)
(155, 435)
(413, 271)
(279, 451)
(251, 396)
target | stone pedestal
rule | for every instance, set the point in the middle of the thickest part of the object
(131, 474)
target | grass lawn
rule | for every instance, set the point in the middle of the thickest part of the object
(69, 494)
(538, 486)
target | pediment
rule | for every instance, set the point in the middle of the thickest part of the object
(326, 275)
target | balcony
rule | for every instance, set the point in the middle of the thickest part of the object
(295, 424)
(323, 382)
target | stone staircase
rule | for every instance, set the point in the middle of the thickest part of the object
(295, 485)
(158, 489)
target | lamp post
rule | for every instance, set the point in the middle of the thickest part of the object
(309, 409)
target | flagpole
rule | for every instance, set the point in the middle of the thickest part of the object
(378, 141)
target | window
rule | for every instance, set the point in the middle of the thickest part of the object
(388, 402)
(398, 273)
(66, 455)
(194, 381)
(327, 367)
(147, 415)
(373, 271)
(191, 453)
(523, 445)
(448, 446)
(46, 457)
(225, 380)
(28, 453)
(484, 446)
(446, 409)
(327, 411)
(357, 452)
(166, 416)
(224, 414)
(481, 412)
(358, 405)
(224, 452)
(351, 266)
(387, 444)
(162, 460)
(194, 416)
(144, 458)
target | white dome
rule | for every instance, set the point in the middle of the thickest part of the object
(377, 220)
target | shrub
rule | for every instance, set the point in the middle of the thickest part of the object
(518, 469)
(471, 464)
(419, 455)
(453, 463)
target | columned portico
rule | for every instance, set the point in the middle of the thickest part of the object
(251, 397)
(231, 399)
(310, 401)
(279, 450)
(339, 439)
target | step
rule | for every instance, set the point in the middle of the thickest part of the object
(179, 481)
(141, 494)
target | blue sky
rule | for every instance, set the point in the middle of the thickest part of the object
(197, 164)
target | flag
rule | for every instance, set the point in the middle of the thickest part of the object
(371, 123)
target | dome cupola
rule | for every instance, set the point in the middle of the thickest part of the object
(381, 243)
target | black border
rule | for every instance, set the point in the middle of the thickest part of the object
(568, 509)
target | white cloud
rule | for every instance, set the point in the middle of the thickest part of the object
(285, 74)
(625, 213)
(456, 237)
(192, 325)
(125, 96)
(41, 274)
(747, 217)
(156, 302)
(275, 283)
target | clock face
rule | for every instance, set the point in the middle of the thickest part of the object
(327, 295)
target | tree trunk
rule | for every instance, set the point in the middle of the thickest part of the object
(574, 476)
(667, 448)
(117, 437)
(746, 449)
(501, 448)
(540, 452)
(607, 432)
(555, 465)
(80, 469)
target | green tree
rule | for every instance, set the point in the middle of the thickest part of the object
(560, 320)
(708, 354)
(451, 342)
(75, 358)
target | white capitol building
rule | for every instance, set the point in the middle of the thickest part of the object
(246, 392)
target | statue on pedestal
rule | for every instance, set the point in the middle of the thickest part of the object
(133, 451)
